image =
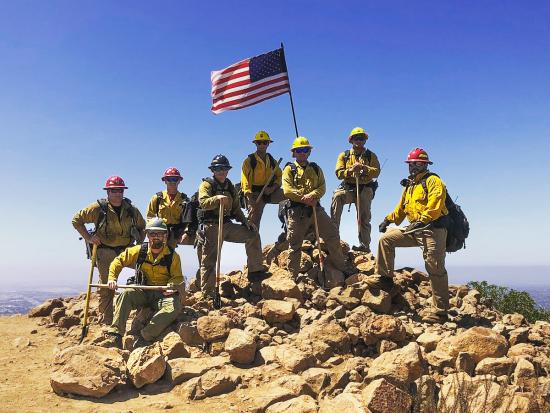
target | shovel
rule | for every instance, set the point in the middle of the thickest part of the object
(217, 296)
(88, 292)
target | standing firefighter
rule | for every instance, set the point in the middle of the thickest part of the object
(304, 186)
(257, 169)
(423, 204)
(156, 264)
(169, 205)
(356, 166)
(213, 191)
(118, 225)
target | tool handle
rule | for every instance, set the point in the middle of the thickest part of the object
(137, 287)
(316, 225)
(268, 181)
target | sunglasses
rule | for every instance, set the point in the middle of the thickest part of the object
(360, 138)
(302, 150)
(262, 143)
(155, 234)
(172, 179)
(220, 168)
(116, 191)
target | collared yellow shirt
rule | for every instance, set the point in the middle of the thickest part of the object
(169, 210)
(259, 175)
(416, 205)
(155, 273)
(343, 172)
(305, 181)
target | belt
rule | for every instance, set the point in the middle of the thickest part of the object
(118, 250)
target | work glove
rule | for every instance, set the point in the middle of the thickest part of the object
(413, 225)
(384, 225)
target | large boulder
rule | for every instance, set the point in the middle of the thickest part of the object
(294, 359)
(279, 288)
(213, 328)
(282, 389)
(401, 366)
(88, 370)
(328, 332)
(214, 383)
(183, 369)
(277, 311)
(45, 309)
(146, 365)
(344, 402)
(383, 327)
(480, 342)
(173, 347)
(301, 404)
(381, 396)
(377, 300)
(241, 346)
(497, 366)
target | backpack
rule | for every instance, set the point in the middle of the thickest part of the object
(139, 278)
(189, 214)
(294, 169)
(160, 200)
(458, 227)
(253, 161)
(102, 218)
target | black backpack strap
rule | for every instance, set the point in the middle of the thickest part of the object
(272, 161)
(253, 161)
(167, 260)
(368, 154)
(142, 256)
(315, 168)
(102, 218)
(346, 156)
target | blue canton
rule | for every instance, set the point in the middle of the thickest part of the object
(266, 65)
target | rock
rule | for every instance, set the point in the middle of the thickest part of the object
(499, 366)
(518, 335)
(324, 337)
(87, 370)
(383, 326)
(213, 328)
(525, 375)
(428, 340)
(146, 365)
(293, 359)
(377, 300)
(480, 342)
(45, 309)
(333, 277)
(316, 378)
(241, 346)
(256, 326)
(68, 321)
(189, 334)
(380, 396)
(268, 354)
(465, 362)
(173, 347)
(183, 369)
(440, 359)
(425, 397)
(515, 319)
(401, 366)
(319, 299)
(56, 314)
(21, 342)
(277, 311)
(522, 350)
(214, 383)
(300, 404)
(282, 389)
(344, 402)
(386, 345)
(279, 288)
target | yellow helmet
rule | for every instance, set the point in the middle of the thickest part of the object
(357, 131)
(300, 142)
(262, 136)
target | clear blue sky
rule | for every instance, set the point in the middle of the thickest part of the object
(94, 88)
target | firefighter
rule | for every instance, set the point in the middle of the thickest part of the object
(423, 204)
(358, 165)
(118, 225)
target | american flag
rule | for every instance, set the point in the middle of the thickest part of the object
(249, 81)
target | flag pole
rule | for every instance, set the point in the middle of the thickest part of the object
(290, 91)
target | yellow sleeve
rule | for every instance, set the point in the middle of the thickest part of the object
(321, 188)
(246, 185)
(175, 270)
(126, 258)
(398, 214)
(88, 215)
(206, 201)
(151, 208)
(288, 186)
(373, 169)
(436, 199)
(341, 170)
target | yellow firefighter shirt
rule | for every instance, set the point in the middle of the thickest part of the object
(372, 167)
(260, 174)
(305, 181)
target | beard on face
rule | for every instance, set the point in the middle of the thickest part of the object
(157, 244)
(415, 169)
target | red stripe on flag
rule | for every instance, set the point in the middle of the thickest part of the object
(233, 67)
(245, 105)
(231, 86)
(253, 87)
(284, 88)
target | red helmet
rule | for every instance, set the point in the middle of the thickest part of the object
(114, 182)
(172, 171)
(418, 155)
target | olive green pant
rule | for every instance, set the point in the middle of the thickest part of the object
(432, 241)
(300, 222)
(232, 233)
(104, 258)
(256, 210)
(342, 197)
(167, 310)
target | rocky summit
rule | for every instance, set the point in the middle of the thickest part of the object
(286, 345)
